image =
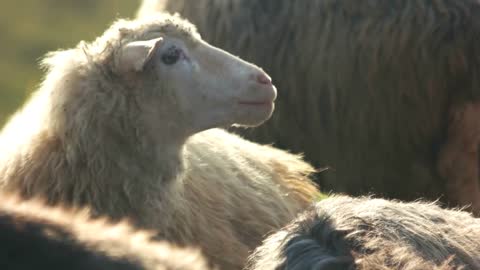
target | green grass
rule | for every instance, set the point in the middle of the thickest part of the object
(321, 196)
(31, 28)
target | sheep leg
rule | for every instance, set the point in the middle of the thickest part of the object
(459, 157)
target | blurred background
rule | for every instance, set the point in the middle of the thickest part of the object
(31, 28)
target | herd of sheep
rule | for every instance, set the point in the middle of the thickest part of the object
(121, 159)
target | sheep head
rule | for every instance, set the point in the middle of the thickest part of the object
(151, 81)
(199, 86)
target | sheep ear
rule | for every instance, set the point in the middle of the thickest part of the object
(136, 54)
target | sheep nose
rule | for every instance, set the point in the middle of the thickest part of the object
(263, 78)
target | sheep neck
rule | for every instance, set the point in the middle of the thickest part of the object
(141, 170)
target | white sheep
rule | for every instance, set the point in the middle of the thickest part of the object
(35, 236)
(111, 128)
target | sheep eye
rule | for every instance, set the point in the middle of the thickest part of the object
(171, 56)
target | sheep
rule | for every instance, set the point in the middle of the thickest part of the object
(343, 232)
(130, 125)
(35, 236)
(382, 93)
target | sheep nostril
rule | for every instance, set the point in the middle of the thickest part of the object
(263, 78)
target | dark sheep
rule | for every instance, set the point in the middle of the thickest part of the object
(34, 236)
(363, 233)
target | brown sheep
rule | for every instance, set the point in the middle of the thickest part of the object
(116, 126)
(34, 236)
(384, 93)
(363, 233)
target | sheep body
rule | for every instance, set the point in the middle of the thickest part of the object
(34, 236)
(86, 138)
(369, 89)
(366, 233)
